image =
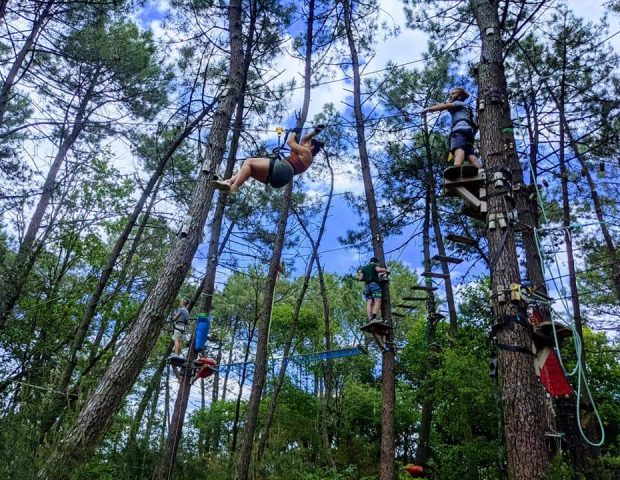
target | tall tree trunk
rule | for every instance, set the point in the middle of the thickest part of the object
(168, 456)
(151, 387)
(522, 396)
(244, 372)
(388, 382)
(293, 327)
(244, 455)
(27, 254)
(423, 451)
(98, 411)
(598, 209)
(108, 270)
(441, 249)
(11, 78)
(328, 372)
(566, 222)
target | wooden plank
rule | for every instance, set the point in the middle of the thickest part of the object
(435, 275)
(447, 258)
(453, 237)
(426, 289)
(397, 314)
(415, 299)
(402, 305)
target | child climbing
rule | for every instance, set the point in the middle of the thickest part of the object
(179, 322)
(274, 171)
(463, 127)
(369, 274)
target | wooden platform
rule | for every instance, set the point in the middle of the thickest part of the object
(544, 331)
(177, 361)
(380, 328)
(463, 172)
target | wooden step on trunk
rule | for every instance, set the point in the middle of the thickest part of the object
(398, 314)
(415, 299)
(453, 237)
(435, 275)
(402, 305)
(426, 289)
(448, 259)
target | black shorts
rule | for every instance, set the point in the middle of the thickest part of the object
(462, 141)
(280, 173)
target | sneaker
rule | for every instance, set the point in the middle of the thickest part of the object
(222, 185)
(233, 190)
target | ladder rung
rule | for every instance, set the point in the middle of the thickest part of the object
(402, 305)
(426, 289)
(447, 258)
(435, 275)
(397, 314)
(415, 299)
(452, 237)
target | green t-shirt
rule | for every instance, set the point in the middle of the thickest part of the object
(370, 273)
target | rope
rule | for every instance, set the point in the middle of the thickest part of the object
(579, 367)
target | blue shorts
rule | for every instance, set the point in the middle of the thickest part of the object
(372, 290)
(460, 140)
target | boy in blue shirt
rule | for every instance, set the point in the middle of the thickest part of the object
(463, 126)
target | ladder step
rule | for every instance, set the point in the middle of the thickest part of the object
(402, 305)
(447, 258)
(453, 237)
(397, 314)
(435, 275)
(436, 316)
(426, 289)
(415, 299)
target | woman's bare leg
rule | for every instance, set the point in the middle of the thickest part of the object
(257, 168)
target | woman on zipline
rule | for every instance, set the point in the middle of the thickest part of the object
(274, 171)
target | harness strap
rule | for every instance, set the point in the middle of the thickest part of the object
(516, 349)
(272, 162)
(502, 321)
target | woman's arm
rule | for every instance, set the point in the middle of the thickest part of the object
(291, 141)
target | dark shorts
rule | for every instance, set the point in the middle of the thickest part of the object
(462, 141)
(280, 173)
(372, 290)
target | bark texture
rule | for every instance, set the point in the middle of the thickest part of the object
(388, 378)
(522, 396)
